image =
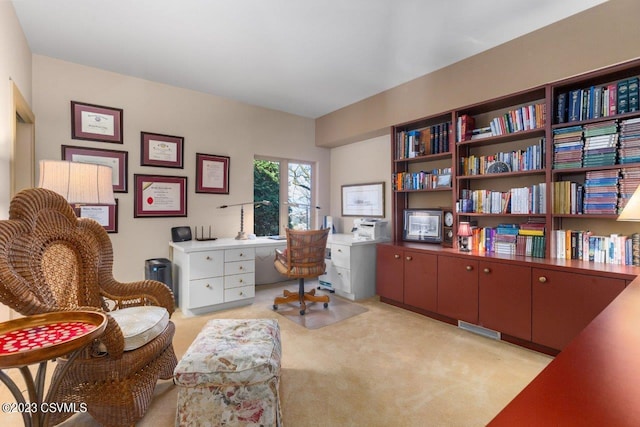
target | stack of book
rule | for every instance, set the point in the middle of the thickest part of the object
(531, 240)
(567, 147)
(601, 192)
(567, 198)
(629, 181)
(600, 144)
(629, 141)
(505, 239)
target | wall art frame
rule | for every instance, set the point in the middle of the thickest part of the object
(106, 215)
(159, 196)
(116, 159)
(96, 122)
(165, 151)
(363, 200)
(212, 173)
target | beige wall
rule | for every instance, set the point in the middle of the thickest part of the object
(598, 37)
(359, 163)
(15, 65)
(209, 124)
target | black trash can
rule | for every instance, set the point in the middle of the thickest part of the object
(160, 269)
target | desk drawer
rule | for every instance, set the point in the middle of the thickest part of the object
(239, 267)
(205, 292)
(340, 255)
(206, 264)
(235, 294)
(237, 280)
(342, 279)
(239, 254)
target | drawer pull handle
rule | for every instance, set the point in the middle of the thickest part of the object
(469, 268)
(240, 268)
(396, 256)
(241, 281)
(241, 254)
(487, 270)
(207, 286)
(339, 250)
(208, 258)
(241, 293)
(542, 279)
(409, 258)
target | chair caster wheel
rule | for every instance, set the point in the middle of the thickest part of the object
(326, 305)
(301, 312)
(275, 307)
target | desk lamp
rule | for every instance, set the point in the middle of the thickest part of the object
(78, 183)
(241, 234)
(464, 231)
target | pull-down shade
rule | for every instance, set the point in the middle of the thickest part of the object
(78, 183)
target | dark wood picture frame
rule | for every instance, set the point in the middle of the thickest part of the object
(96, 122)
(212, 173)
(422, 225)
(159, 196)
(165, 151)
(116, 159)
(97, 212)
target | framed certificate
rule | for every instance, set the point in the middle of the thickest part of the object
(116, 160)
(159, 196)
(96, 122)
(106, 215)
(212, 174)
(161, 150)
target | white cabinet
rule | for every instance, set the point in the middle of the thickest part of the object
(218, 274)
(351, 272)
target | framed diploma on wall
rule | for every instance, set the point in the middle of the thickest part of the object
(115, 159)
(159, 196)
(106, 215)
(212, 174)
(161, 150)
(96, 122)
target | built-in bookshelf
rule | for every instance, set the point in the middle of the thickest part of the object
(554, 165)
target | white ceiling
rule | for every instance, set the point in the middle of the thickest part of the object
(306, 57)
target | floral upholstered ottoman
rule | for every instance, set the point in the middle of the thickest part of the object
(230, 375)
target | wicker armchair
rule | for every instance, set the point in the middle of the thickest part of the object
(52, 261)
(303, 259)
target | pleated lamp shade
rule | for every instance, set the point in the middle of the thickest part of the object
(631, 211)
(78, 183)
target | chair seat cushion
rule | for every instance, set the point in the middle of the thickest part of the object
(140, 325)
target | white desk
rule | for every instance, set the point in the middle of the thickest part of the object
(220, 274)
(351, 272)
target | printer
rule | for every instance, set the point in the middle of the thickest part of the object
(369, 229)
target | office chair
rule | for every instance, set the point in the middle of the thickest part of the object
(303, 258)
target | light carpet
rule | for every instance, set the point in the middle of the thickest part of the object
(316, 315)
(385, 367)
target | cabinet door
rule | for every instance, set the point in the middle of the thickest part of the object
(458, 288)
(389, 272)
(504, 295)
(421, 280)
(564, 303)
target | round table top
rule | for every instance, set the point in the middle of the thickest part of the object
(41, 337)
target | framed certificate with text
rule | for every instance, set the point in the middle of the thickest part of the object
(161, 150)
(159, 196)
(212, 174)
(96, 123)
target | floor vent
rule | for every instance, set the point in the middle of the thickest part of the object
(489, 333)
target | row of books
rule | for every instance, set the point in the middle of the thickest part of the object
(629, 141)
(584, 245)
(431, 140)
(510, 239)
(519, 119)
(522, 200)
(422, 180)
(598, 101)
(531, 158)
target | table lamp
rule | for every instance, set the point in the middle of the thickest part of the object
(241, 234)
(78, 183)
(631, 211)
(464, 231)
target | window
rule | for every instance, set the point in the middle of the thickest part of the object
(278, 180)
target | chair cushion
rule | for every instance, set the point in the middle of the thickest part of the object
(140, 325)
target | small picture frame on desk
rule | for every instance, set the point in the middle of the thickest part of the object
(422, 225)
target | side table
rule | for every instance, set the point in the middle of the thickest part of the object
(36, 340)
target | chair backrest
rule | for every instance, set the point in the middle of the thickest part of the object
(49, 259)
(306, 251)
